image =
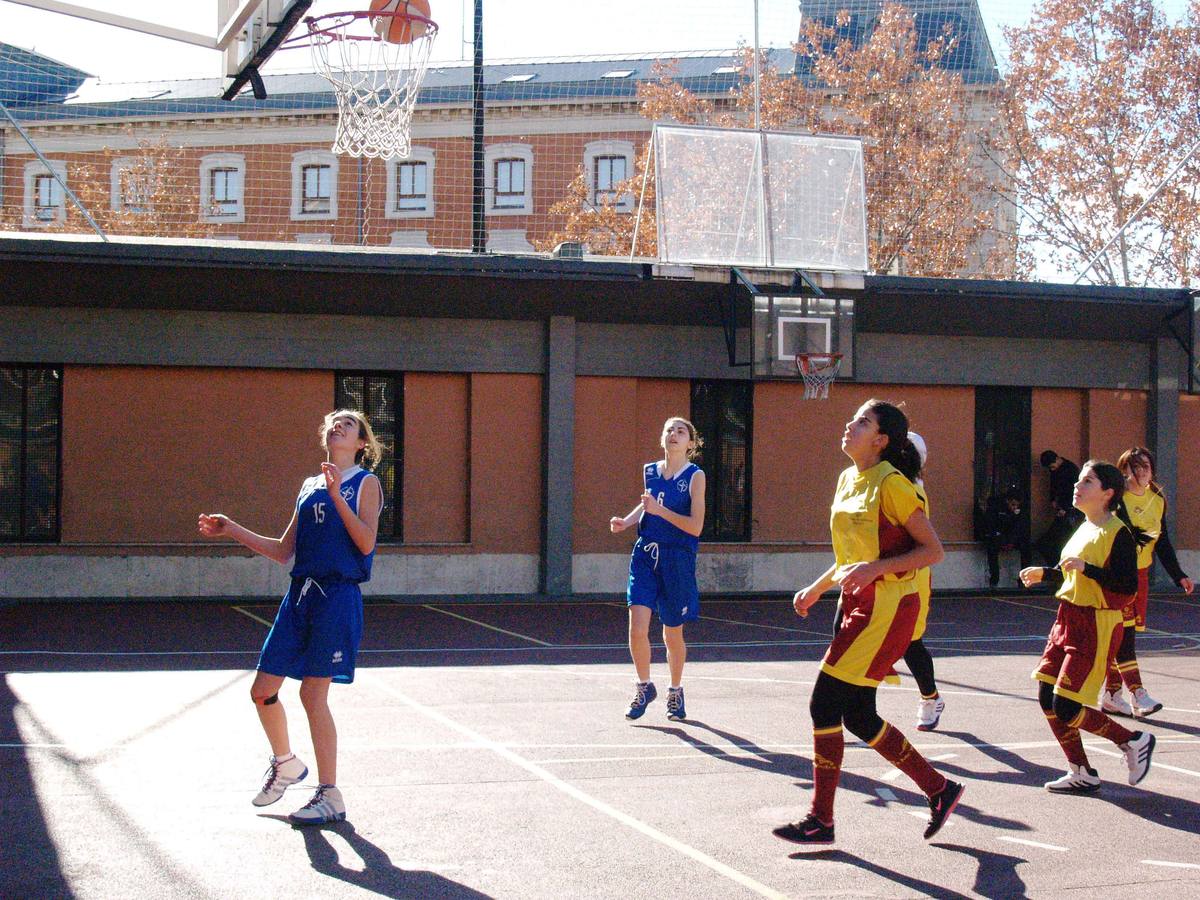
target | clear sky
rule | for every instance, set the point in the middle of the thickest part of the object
(513, 28)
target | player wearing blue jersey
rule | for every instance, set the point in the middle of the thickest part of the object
(662, 568)
(315, 638)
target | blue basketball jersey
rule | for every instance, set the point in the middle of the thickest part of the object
(675, 495)
(323, 546)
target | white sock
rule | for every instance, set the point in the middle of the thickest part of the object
(677, 687)
(285, 758)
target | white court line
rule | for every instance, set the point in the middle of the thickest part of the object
(941, 757)
(1154, 764)
(890, 775)
(886, 794)
(571, 791)
(1055, 847)
(761, 625)
(252, 616)
(1173, 865)
(524, 637)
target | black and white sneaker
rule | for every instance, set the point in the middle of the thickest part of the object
(941, 805)
(1138, 751)
(278, 778)
(1078, 780)
(809, 831)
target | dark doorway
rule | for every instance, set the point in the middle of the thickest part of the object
(1002, 448)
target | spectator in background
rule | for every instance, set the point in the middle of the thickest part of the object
(1005, 530)
(1063, 474)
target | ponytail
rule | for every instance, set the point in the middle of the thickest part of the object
(900, 450)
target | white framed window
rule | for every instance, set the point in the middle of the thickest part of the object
(607, 164)
(133, 184)
(223, 188)
(410, 185)
(45, 199)
(314, 185)
(508, 179)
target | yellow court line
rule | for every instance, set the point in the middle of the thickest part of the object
(524, 637)
(252, 616)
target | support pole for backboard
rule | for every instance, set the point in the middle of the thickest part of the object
(637, 222)
(478, 232)
(54, 174)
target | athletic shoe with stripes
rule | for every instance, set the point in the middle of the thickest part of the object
(278, 778)
(1138, 751)
(675, 708)
(1143, 704)
(1078, 780)
(929, 713)
(643, 696)
(810, 831)
(1113, 702)
(941, 805)
(325, 806)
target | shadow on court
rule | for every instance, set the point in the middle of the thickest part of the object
(478, 718)
(379, 874)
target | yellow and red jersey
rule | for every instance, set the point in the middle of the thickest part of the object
(1109, 580)
(868, 514)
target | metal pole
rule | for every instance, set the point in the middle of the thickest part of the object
(49, 168)
(637, 222)
(478, 230)
(1162, 184)
(757, 99)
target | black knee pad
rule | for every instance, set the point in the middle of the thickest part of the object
(274, 698)
(1046, 696)
(1066, 709)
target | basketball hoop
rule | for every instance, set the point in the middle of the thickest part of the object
(375, 80)
(818, 371)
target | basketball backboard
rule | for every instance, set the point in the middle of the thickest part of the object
(785, 325)
(246, 32)
(737, 197)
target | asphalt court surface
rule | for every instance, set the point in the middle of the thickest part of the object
(484, 753)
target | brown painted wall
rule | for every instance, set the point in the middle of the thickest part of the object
(606, 460)
(1059, 425)
(437, 443)
(147, 449)
(506, 463)
(1186, 503)
(1116, 421)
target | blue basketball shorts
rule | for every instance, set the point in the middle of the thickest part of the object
(663, 578)
(317, 631)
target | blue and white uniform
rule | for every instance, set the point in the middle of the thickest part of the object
(319, 624)
(662, 569)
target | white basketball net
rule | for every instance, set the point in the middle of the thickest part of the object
(376, 84)
(818, 371)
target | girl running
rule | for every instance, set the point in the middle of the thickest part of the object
(1145, 508)
(318, 627)
(881, 538)
(917, 656)
(662, 568)
(1097, 577)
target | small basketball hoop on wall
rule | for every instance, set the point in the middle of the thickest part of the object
(818, 371)
(375, 60)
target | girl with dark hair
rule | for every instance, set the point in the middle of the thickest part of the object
(881, 539)
(1097, 577)
(1145, 507)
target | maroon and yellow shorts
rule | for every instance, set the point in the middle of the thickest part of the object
(1134, 614)
(1082, 645)
(877, 626)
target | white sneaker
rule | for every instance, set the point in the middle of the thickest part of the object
(325, 806)
(1113, 702)
(1078, 780)
(1144, 704)
(929, 713)
(278, 778)
(1138, 751)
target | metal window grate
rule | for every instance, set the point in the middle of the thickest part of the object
(30, 452)
(380, 395)
(722, 413)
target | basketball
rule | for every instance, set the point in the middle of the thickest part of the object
(397, 29)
